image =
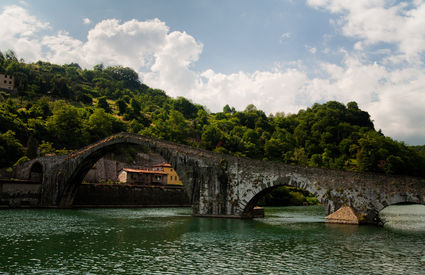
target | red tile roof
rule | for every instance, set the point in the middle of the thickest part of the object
(162, 165)
(144, 171)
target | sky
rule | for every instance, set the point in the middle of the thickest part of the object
(280, 55)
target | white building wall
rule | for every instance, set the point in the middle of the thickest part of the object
(7, 82)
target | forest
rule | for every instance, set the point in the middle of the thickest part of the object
(55, 109)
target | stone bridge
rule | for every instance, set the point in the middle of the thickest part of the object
(227, 186)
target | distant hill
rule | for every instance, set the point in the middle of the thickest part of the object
(58, 108)
(419, 148)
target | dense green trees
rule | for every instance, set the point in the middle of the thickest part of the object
(10, 148)
(60, 108)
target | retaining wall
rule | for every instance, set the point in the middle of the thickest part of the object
(113, 195)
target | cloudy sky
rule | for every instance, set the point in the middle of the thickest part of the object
(280, 55)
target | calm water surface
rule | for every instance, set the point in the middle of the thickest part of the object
(290, 240)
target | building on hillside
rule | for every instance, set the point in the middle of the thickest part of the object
(107, 168)
(172, 176)
(7, 82)
(159, 174)
(145, 177)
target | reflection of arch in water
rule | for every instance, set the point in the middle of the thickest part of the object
(404, 216)
(36, 172)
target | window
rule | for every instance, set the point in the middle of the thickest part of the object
(10, 82)
(5, 81)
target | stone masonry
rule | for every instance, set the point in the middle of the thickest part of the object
(227, 186)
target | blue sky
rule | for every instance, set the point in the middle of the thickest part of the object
(281, 55)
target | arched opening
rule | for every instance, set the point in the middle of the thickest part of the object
(36, 172)
(126, 175)
(280, 196)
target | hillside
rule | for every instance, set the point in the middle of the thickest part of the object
(58, 108)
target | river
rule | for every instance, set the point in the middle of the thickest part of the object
(290, 240)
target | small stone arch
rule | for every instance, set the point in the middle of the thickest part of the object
(249, 207)
(398, 200)
(303, 184)
(36, 172)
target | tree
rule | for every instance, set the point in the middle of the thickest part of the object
(184, 106)
(211, 136)
(177, 126)
(122, 106)
(99, 125)
(65, 126)
(46, 148)
(10, 149)
(135, 108)
(250, 108)
(273, 149)
(227, 109)
(103, 103)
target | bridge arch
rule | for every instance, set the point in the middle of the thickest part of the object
(36, 172)
(86, 161)
(305, 185)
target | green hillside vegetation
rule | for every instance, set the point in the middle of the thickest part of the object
(420, 148)
(57, 109)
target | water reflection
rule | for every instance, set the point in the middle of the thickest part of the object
(171, 241)
(346, 229)
(406, 218)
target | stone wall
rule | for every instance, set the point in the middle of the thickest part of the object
(15, 194)
(223, 185)
(114, 195)
(108, 167)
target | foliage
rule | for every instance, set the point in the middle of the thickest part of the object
(286, 196)
(53, 108)
(21, 160)
(10, 149)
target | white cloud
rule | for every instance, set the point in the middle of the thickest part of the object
(393, 96)
(19, 32)
(63, 48)
(285, 36)
(86, 21)
(171, 68)
(380, 21)
(132, 43)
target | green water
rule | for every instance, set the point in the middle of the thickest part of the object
(290, 240)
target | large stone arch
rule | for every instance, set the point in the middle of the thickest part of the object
(76, 177)
(61, 184)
